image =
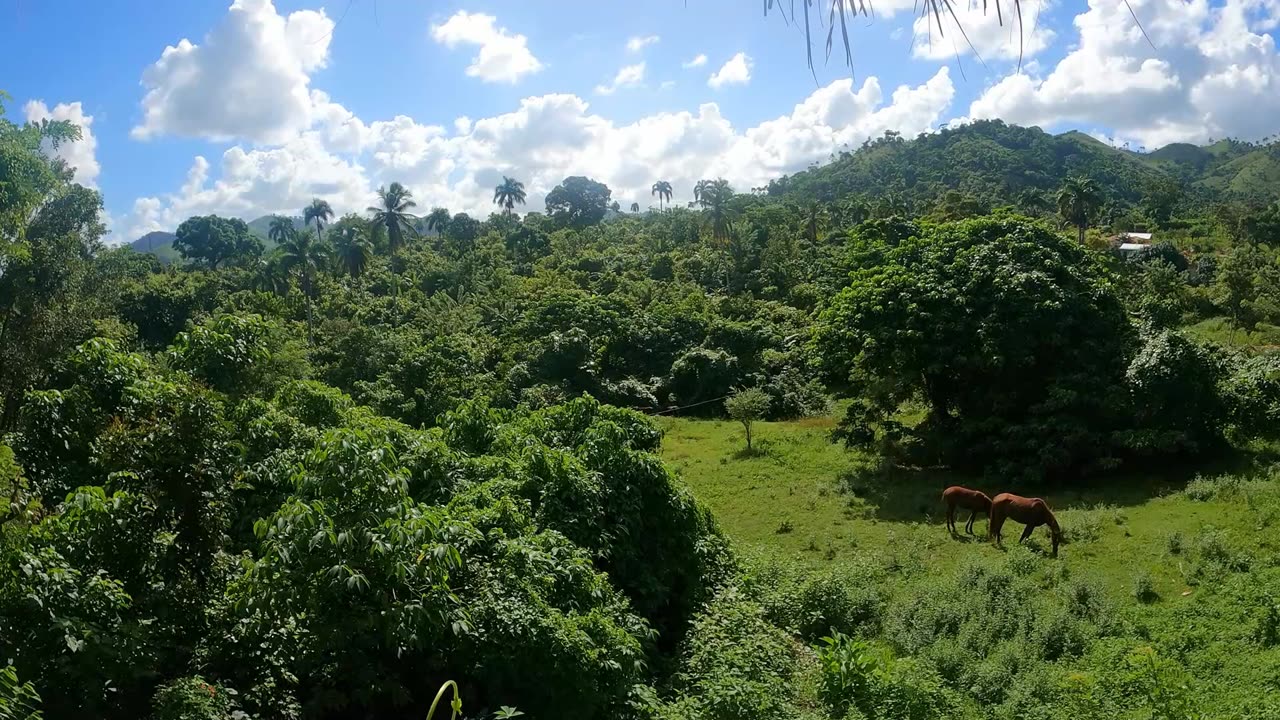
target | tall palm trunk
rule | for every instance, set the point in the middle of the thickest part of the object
(1081, 229)
(306, 296)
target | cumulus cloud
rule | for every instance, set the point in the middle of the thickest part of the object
(737, 71)
(81, 154)
(698, 61)
(248, 79)
(1216, 74)
(540, 142)
(502, 56)
(628, 76)
(994, 36)
(253, 183)
(637, 43)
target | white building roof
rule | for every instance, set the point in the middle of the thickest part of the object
(1138, 236)
(1133, 247)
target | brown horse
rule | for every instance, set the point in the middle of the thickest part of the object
(972, 500)
(1032, 512)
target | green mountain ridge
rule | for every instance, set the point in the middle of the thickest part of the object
(996, 162)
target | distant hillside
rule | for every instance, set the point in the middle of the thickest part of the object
(262, 226)
(997, 162)
(158, 243)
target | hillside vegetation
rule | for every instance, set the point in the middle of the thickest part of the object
(675, 465)
(999, 164)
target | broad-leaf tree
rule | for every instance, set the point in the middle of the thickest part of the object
(392, 212)
(49, 232)
(214, 241)
(578, 202)
(1009, 335)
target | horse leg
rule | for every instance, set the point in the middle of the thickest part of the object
(1026, 533)
(994, 524)
(968, 527)
(951, 518)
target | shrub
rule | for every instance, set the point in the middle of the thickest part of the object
(18, 700)
(1144, 589)
(1175, 398)
(736, 664)
(191, 698)
(1174, 542)
(1200, 489)
(1267, 629)
(853, 673)
(1021, 560)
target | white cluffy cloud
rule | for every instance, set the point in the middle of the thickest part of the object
(502, 57)
(1216, 73)
(628, 76)
(343, 159)
(737, 71)
(248, 79)
(81, 154)
(698, 61)
(638, 43)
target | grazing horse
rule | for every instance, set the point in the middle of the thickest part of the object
(972, 500)
(1032, 512)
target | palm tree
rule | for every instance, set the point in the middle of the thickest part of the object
(280, 229)
(814, 213)
(353, 250)
(319, 211)
(715, 197)
(662, 189)
(1078, 202)
(635, 207)
(394, 202)
(438, 220)
(269, 275)
(699, 189)
(1033, 201)
(303, 255)
(510, 192)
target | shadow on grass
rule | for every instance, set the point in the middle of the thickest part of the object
(898, 493)
(757, 450)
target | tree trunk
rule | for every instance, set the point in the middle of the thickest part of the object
(748, 427)
(1082, 229)
(306, 295)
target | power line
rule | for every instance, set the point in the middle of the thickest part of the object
(682, 407)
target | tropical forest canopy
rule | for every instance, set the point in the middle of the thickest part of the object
(315, 465)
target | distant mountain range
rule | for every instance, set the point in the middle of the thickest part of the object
(996, 161)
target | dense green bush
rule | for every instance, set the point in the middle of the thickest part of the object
(735, 664)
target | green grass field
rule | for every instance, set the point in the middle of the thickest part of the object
(1179, 564)
(793, 498)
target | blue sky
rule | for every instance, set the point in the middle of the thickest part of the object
(267, 105)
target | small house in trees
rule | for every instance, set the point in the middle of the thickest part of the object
(1132, 243)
